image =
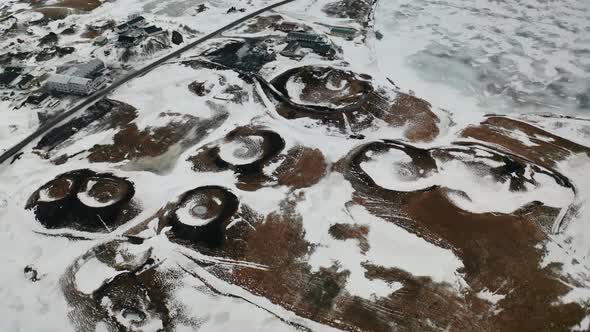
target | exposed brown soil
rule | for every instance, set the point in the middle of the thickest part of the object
(325, 84)
(91, 34)
(347, 231)
(500, 252)
(417, 114)
(84, 5)
(131, 143)
(60, 187)
(298, 168)
(105, 190)
(278, 243)
(302, 167)
(497, 130)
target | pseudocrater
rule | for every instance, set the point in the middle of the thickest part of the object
(119, 286)
(351, 103)
(201, 216)
(84, 200)
(244, 150)
(476, 179)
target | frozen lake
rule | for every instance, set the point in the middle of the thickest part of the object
(497, 56)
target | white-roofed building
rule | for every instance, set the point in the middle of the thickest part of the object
(59, 83)
(81, 85)
(89, 68)
(76, 80)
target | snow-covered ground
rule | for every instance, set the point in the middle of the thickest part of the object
(498, 56)
(440, 50)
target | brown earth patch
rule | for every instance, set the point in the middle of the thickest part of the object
(105, 190)
(499, 253)
(91, 34)
(415, 113)
(355, 231)
(60, 187)
(277, 242)
(302, 167)
(299, 167)
(546, 150)
(131, 143)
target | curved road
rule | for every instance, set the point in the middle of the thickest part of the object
(103, 92)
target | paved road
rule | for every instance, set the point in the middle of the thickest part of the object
(103, 92)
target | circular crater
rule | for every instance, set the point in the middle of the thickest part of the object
(98, 192)
(120, 285)
(393, 166)
(475, 179)
(201, 215)
(323, 88)
(83, 200)
(56, 190)
(243, 150)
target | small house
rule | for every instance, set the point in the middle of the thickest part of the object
(318, 43)
(101, 41)
(26, 81)
(153, 30)
(37, 98)
(89, 68)
(58, 83)
(7, 77)
(128, 41)
(81, 85)
(344, 32)
(288, 27)
(131, 24)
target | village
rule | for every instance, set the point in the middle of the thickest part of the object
(23, 84)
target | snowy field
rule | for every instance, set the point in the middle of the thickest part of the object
(498, 56)
(217, 205)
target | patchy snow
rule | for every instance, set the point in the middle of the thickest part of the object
(165, 89)
(93, 274)
(492, 297)
(89, 200)
(45, 195)
(389, 244)
(393, 170)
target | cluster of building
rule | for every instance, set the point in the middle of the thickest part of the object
(132, 32)
(82, 79)
(16, 77)
(298, 38)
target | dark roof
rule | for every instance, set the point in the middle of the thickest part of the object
(7, 77)
(126, 39)
(26, 79)
(136, 20)
(152, 29)
(121, 26)
(36, 98)
(304, 36)
(13, 69)
(343, 30)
